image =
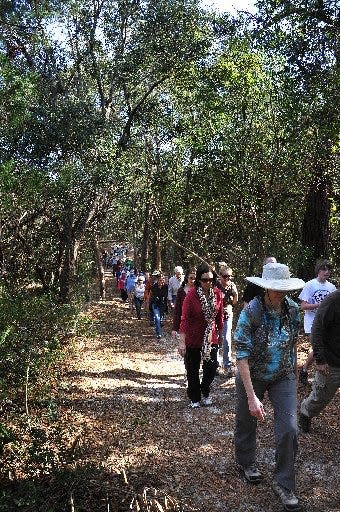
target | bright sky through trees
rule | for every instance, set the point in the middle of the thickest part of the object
(230, 5)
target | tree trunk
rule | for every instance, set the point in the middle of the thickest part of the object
(144, 253)
(158, 250)
(315, 226)
(68, 253)
(100, 269)
(66, 276)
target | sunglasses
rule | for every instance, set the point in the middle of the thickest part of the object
(226, 275)
(207, 279)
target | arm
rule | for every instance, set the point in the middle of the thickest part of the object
(150, 299)
(220, 319)
(170, 292)
(244, 345)
(181, 345)
(183, 325)
(307, 306)
(255, 406)
(234, 294)
(178, 310)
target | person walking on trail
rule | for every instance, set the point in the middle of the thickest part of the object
(325, 338)
(148, 285)
(174, 284)
(188, 284)
(130, 286)
(121, 285)
(252, 290)
(230, 298)
(201, 334)
(265, 338)
(158, 303)
(312, 295)
(138, 296)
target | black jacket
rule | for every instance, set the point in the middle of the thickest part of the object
(326, 331)
(159, 297)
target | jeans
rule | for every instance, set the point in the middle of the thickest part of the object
(282, 394)
(324, 388)
(157, 316)
(138, 305)
(228, 323)
(192, 361)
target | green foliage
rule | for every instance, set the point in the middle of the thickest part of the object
(32, 330)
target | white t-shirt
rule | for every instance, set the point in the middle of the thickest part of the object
(314, 292)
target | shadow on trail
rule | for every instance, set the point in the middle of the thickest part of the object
(125, 373)
(82, 488)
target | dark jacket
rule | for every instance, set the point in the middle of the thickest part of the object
(325, 335)
(159, 297)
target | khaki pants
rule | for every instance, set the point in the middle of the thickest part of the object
(324, 388)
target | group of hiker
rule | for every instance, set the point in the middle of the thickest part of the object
(265, 337)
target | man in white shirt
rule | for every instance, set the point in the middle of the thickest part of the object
(311, 296)
(173, 285)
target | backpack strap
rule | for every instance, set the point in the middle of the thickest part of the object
(255, 308)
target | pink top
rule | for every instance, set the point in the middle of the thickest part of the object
(193, 323)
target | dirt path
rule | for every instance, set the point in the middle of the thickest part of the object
(126, 415)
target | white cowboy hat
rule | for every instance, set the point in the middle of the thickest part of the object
(276, 276)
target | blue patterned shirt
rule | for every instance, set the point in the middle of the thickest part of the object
(267, 339)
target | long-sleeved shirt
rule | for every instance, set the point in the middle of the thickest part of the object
(173, 286)
(326, 331)
(267, 339)
(193, 323)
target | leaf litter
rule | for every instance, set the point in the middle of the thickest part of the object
(129, 441)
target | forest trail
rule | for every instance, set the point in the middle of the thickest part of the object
(123, 405)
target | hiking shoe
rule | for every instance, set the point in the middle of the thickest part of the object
(287, 497)
(305, 422)
(252, 474)
(195, 405)
(303, 376)
(207, 400)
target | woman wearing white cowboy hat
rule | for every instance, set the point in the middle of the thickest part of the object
(265, 337)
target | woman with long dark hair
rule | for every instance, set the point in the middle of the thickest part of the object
(187, 285)
(201, 333)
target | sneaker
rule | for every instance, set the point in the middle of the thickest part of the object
(305, 422)
(252, 474)
(287, 497)
(195, 405)
(303, 376)
(207, 400)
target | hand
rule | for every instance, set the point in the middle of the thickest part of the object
(256, 408)
(322, 368)
(181, 348)
(174, 334)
